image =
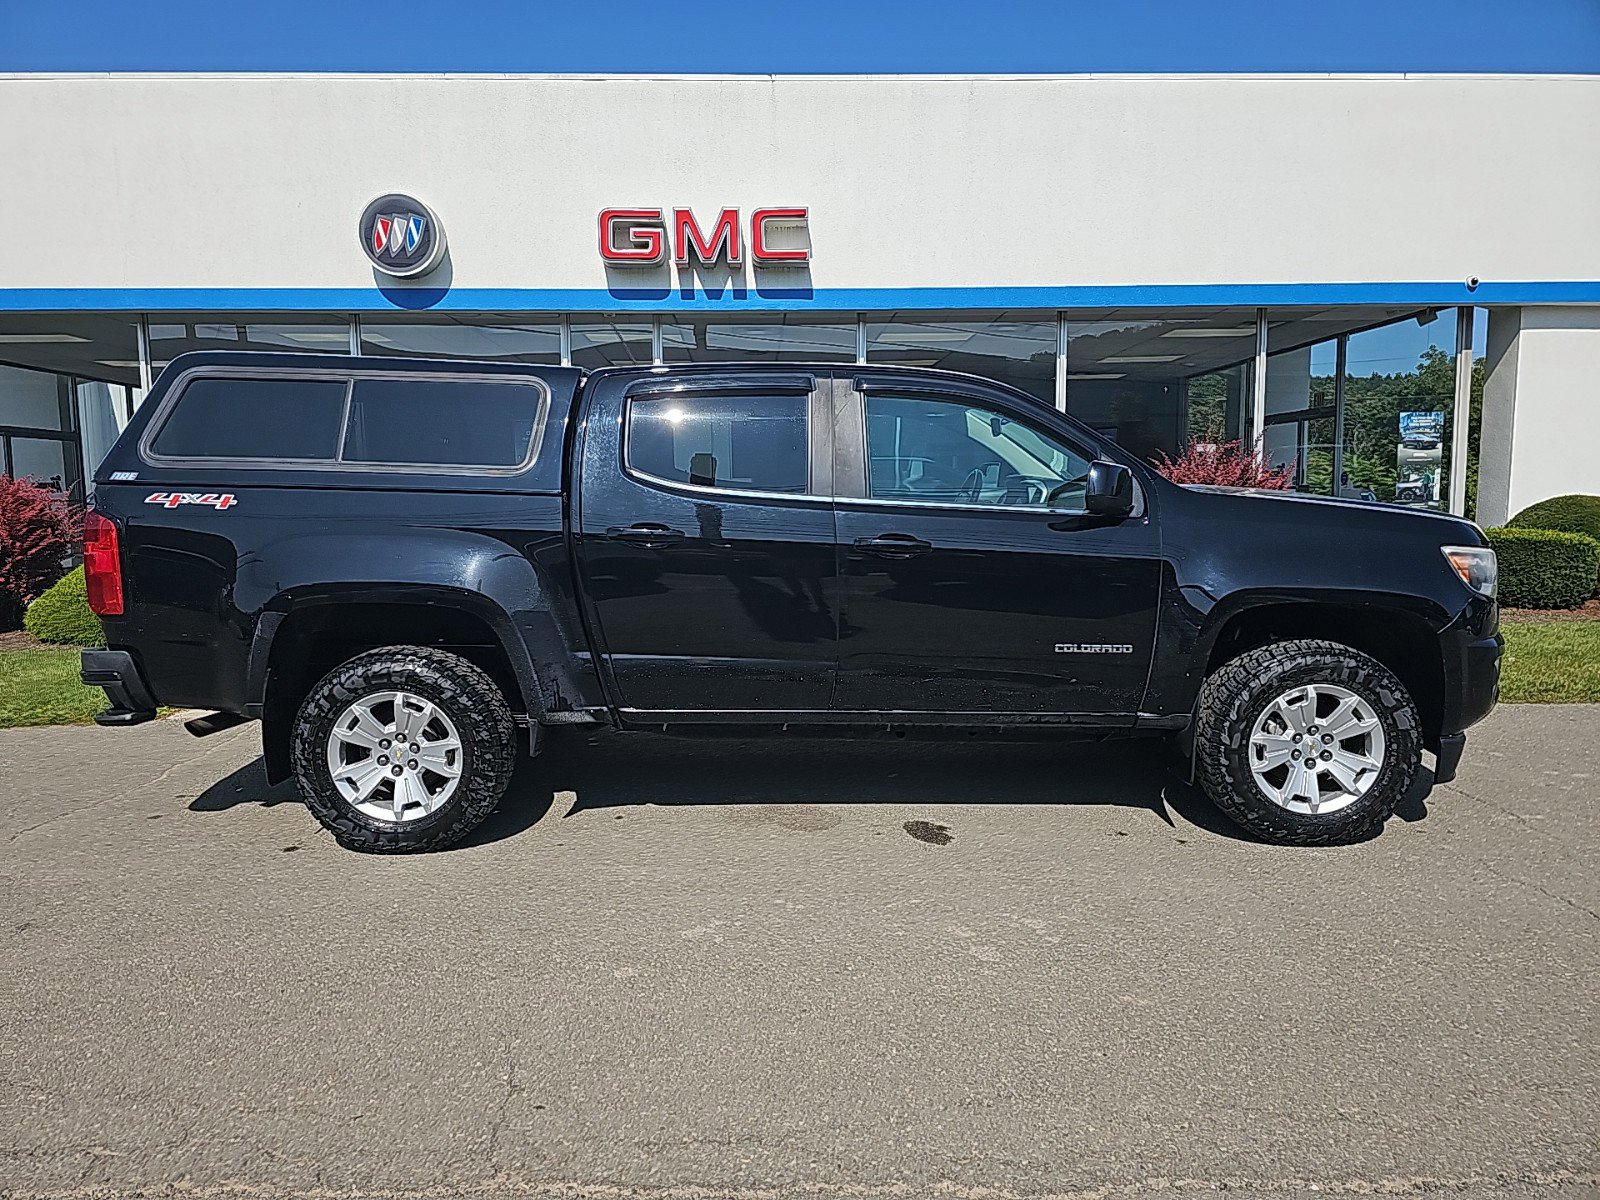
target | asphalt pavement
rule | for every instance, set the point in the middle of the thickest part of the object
(688, 970)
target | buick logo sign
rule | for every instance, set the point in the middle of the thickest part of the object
(401, 236)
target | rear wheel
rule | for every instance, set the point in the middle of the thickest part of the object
(403, 749)
(1306, 742)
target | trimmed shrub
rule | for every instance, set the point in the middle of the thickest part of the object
(62, 614)
(1544, 568)
(39, 529)
(1568, 514)
(1228, 464)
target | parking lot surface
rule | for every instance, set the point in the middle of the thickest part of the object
(683, 970)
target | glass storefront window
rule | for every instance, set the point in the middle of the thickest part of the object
(498, 339)
(1300, 407)
(781, 337)
(1394, 402)
(46, 461)
(1154, 380)
(174, 334)
(1399, 393)
(605, 342)
(1014, 348)
(1214, 404)
(63, 393)
(35, 399)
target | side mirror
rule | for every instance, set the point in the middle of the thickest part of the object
(1109, 490)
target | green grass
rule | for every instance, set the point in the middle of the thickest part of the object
(40, 687)
(1554, 663)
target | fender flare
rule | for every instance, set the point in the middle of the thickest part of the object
(1213, 619)
(534, 691)
(276, 721)
(483, 575)
(1223, 611)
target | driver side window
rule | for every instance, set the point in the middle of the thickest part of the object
(948, 452)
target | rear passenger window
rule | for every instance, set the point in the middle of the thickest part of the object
(741, 442)
(255, 418)
(442, 422)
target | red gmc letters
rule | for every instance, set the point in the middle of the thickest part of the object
(638, 237)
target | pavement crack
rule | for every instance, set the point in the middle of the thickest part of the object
(500, 1119)
(156, 780)
(1545, 892)
(1499, 808)
(1529, 825)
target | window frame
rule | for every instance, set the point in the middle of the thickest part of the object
(337, 464)
(819, 439)
(854, 447)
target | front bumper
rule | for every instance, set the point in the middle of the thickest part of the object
(1470, 649)
(1448, 756)
(117, 673)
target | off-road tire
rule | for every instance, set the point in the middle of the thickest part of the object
(476, 707)
(1235, 695)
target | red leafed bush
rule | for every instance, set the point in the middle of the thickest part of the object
(39, 529)
(1226, 464)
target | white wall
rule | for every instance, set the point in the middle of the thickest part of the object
(257, 181)
(1555, 431)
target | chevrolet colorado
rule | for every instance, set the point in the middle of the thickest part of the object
(407, 570)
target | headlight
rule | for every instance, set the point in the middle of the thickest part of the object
(1476, 565)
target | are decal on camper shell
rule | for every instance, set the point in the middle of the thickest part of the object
(221, 501)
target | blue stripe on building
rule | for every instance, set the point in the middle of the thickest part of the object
(757, 299)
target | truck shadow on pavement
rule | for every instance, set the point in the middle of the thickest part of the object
(605, 770)
(608, 770)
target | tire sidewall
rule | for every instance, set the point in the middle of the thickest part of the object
(487, 746)
(1378, 688)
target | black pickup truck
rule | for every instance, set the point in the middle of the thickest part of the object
(406, 570)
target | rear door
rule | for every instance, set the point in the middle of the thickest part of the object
(706, 541)
(972, 580)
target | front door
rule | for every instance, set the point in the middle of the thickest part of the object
(972, 579)
(706, 543)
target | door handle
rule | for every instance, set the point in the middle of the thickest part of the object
(649, 534)
(893, 545)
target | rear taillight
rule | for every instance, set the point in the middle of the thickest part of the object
(102, 565)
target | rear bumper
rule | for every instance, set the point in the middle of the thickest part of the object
(117, 673)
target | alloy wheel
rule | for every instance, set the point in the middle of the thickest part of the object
(395, 756)
(1317, 748)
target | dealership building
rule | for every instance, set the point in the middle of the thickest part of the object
(1171, 259)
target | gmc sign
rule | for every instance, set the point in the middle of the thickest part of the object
(640, 237)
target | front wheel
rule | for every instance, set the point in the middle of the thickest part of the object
(402, 749)
(1306, 743)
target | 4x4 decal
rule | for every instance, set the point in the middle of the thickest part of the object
(221, 501)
